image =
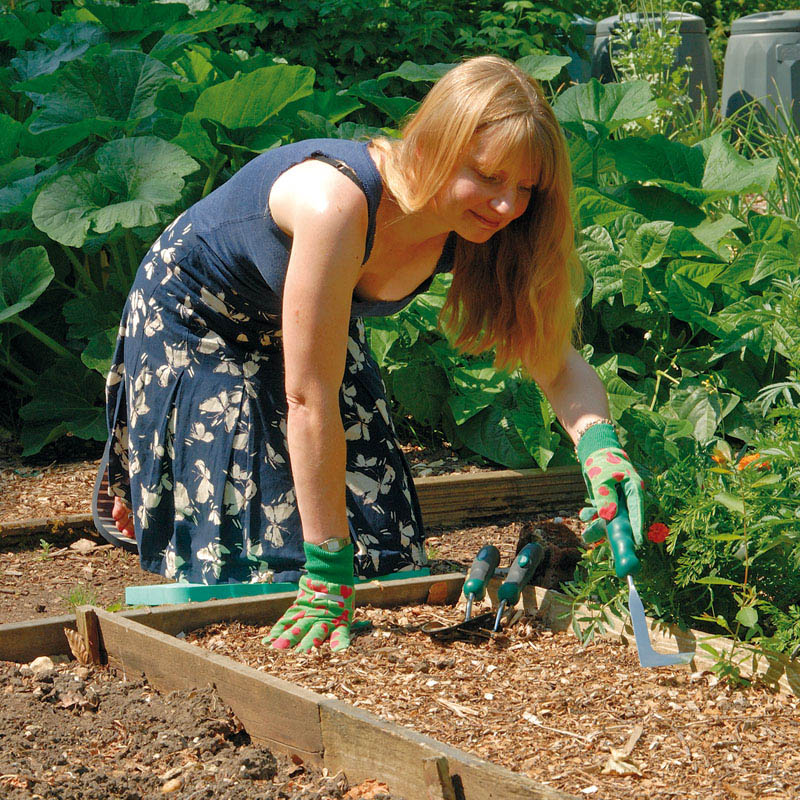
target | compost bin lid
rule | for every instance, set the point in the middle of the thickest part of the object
(767, 22)
(690, 23)
(587, 24)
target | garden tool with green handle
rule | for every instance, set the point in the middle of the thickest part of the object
(519, 576)
(480, 572)
(626, 565)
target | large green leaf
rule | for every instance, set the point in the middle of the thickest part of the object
(415, 73)
(597, 109)
(99, 352)
(542, 66)
(371, 92)
(421, 390)
(10, 131)
(23, 280)
(136, 176)
(246, 101)
(67, 400)
(700, 405)
(475, 389)
(728, 173)
(645, 245)
(64, 42)
(233, 14)
(141, 17)
(688, 300)
(594, 208)
(103, 90)
(773, 260)
(642, 159)
(492, 434)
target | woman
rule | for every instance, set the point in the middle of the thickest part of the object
(249, 428)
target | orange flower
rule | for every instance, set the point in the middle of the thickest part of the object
(745, 461)
(657, 532)
(719, 457)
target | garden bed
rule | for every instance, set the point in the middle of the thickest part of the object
(588, 721)
(75, 733)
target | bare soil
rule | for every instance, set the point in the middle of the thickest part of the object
(71, 733)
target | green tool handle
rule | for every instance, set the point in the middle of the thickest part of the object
(482, 569)
(521, 572)
(620, 537)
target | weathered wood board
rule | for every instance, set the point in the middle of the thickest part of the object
(295, 720)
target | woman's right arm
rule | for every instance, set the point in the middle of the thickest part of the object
(326, 215)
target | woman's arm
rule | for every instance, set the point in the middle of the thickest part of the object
(576, 394)
(326, 215)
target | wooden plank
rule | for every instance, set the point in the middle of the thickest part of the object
(90, 633)
(268, 608)
(24, 641)
(438, 783)
(273, 711)
(462, 497)
(364, 746)
(296, 720)
(444, 499)
(70, 523)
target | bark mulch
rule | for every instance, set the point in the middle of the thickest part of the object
(587, 720)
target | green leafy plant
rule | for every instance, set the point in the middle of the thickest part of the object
(80, 595)
(46, 548)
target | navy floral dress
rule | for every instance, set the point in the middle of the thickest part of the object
(196, 402)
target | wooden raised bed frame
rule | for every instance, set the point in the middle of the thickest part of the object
(329, 732)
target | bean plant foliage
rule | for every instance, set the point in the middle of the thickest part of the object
(115, 117)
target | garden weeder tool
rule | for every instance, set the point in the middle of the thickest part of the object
(519, 576)
(626, 565)
(480, 572)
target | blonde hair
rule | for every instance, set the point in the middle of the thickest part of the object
(529, 267)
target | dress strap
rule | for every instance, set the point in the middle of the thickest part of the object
(342, 167)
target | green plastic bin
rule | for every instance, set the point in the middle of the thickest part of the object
(762, 63)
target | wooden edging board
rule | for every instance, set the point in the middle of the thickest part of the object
(294, 720)
(24, 641)
(444, 499)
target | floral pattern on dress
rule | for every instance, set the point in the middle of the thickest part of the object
(197, 421)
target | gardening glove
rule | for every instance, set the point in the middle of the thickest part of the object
(324, 605)
(607, 468)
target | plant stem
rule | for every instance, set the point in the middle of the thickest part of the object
(83, 272)
(116, 263)
(22, 376)
(130, 246)
(213, 171)
(43, 338)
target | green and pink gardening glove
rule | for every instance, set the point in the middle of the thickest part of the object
(607, 470)
(323, 608)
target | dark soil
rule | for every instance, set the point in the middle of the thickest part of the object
(72, 733)
(50, 579)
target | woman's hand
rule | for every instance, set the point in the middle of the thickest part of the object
(607, 470)
(323, 608)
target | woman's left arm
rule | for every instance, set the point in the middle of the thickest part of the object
(580, 402)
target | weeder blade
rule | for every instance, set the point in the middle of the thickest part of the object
(648, 657)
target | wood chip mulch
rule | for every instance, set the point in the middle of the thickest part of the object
(587, 720)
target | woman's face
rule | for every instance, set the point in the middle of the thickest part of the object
(478, 199)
